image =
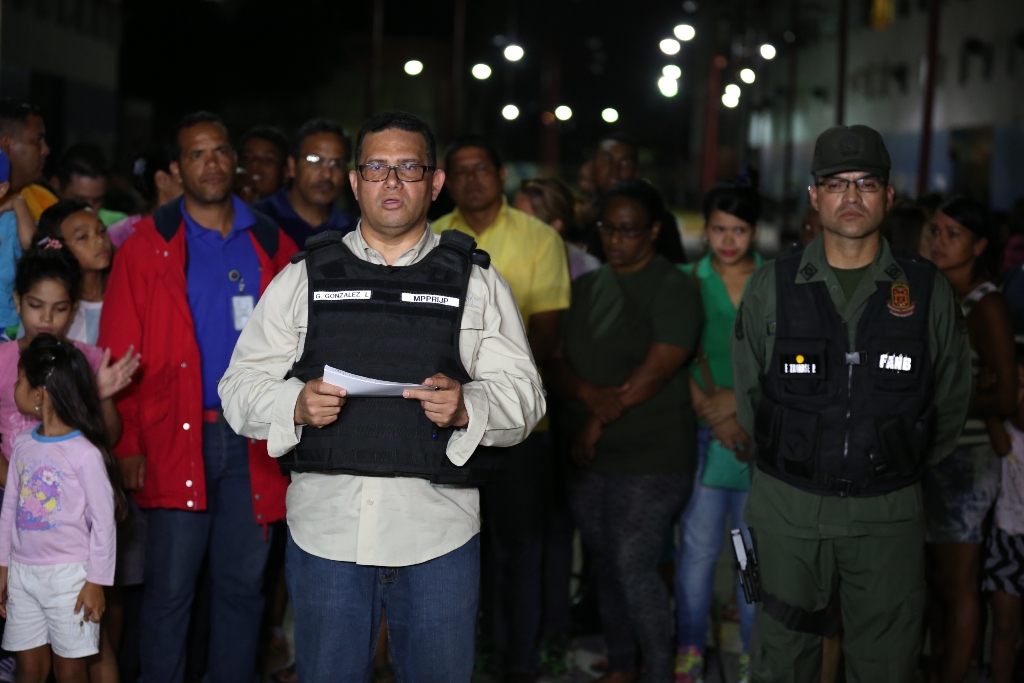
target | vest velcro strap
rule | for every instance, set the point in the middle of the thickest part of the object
(856, 358)
(844, 487)
(817, 623)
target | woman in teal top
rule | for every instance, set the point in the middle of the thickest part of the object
(720, 490)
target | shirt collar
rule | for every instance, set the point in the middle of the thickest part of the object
(814, 266)
(244, 219)
(361, 248)
(460, 223)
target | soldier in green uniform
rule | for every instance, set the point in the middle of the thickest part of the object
(852, 372)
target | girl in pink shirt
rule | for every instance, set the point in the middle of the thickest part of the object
(58, 520)
(46, 290)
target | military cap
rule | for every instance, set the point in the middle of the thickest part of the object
(850, 148)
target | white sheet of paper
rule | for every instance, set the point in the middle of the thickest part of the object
(357, 385)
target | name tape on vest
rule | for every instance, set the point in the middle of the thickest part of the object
(430, 299)
(342, 295)
(800, 365)
(895, 362)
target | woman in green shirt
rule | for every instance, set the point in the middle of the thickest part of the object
(627, 338)
(731, 213)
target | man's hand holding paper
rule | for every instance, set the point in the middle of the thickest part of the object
(442, 402)
(319, 404)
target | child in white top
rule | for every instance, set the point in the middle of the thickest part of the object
(58, 520)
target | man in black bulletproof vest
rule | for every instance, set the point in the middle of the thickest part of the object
(852, 372)
(383, 508)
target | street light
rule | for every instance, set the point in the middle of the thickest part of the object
(730, 100)
(563, 113)
(514, 53)
(414, 67)
(610, 115)
(732, 90)
(510, 111)
(748, 76)
(669, 87)
(768, 51)
(672, 71)
(481, 71)
(669, 46)
(684, 32)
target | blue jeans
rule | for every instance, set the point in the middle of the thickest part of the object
(177, 541)
(431, 610)
(702, 528)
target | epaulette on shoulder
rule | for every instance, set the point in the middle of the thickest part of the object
(298, 256)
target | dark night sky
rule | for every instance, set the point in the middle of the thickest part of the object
(188, 54)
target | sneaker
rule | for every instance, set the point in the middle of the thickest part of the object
(744, 668)
(689, 665)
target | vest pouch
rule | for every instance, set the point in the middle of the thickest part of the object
(767, 426)
(895, 365)
(896, 447)
(798, 443)
(802, 365)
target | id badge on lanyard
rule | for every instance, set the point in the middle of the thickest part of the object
(242, 304)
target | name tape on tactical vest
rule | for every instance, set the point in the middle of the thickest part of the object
(800, 365)
(430, 299)
(342, 295)
(895, 362)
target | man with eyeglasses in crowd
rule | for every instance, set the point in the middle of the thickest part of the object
(317, 165)
(383, 508)
(853, 374)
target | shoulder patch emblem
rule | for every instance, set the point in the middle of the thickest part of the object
(900, 304)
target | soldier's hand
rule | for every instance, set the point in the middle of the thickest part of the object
(319, 403)
(444, 406)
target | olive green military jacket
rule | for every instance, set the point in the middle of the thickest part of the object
(787, 510)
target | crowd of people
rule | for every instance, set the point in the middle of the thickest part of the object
(160, 382)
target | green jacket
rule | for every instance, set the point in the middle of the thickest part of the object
(790, 511)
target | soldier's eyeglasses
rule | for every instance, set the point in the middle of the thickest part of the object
(868, 184)
(407, 173)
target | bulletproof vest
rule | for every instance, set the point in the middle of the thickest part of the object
(840, 421)
(399, 324)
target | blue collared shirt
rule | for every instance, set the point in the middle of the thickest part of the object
(211, 262)
(280, 210)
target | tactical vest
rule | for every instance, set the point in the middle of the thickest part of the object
(399, 324)
(840, 421)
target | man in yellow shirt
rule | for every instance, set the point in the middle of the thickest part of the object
(23, 140)
(531, 257)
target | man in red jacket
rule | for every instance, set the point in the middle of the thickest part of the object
(181, 289)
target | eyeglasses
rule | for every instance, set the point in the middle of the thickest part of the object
(608, 230)
(868, 184)
(407, 173)
(317, 160)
